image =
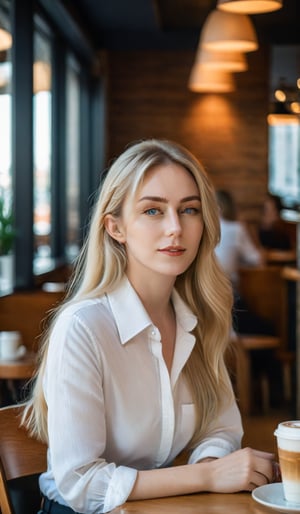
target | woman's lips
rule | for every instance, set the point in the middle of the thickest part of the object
(174, 251)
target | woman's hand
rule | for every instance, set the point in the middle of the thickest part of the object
(242, 470)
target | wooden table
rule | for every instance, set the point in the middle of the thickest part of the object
(280, 256)
(19, 369)
(204, 503)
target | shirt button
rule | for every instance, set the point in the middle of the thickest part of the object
(153, 333)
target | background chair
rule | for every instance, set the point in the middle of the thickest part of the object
(264, 292)
(24, 311)
(22, 459)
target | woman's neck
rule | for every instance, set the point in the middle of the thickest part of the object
(155, 295)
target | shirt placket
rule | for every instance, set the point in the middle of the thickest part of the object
(166, 400)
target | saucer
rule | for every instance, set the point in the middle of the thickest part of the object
(271, 495)
(21, 351)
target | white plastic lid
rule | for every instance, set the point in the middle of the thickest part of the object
(288, 429)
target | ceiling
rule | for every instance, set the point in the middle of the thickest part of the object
(167, 24)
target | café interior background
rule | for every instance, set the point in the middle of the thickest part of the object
(80, 80)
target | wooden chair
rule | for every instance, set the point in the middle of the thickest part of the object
(24, 311)
(263, 290)
(22, 459)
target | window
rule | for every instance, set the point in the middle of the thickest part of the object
(50, 99)
(5, 105)
(42, 107)
(284, 124)
(284, 149)
(73, 158)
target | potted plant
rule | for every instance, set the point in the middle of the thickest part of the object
(7, 236)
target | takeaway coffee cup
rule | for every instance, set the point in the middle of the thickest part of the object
(10, 345)
(288, 443)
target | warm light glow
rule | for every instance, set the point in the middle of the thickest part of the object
(249, 6)
(280, 95)
(203, 80)
(218, 60)
(41, 76)
(295, 107)
(228, 32)
(5, 40)
(282, 119)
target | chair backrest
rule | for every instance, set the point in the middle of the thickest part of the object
(20, 456)
(263, 290)
(25, 311)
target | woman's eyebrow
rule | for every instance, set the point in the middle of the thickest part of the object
(164, 200)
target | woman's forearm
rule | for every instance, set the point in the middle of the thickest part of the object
(173, 481)
(242, 470)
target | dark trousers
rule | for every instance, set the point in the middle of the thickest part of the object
(52, 507)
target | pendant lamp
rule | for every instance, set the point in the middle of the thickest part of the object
(249, 6)
(218, 60)
(203, 80)
(5, 39)
(228, 32)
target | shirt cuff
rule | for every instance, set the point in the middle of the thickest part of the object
(215, 449)
(120, 486)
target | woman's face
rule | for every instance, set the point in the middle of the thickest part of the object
(162, 227)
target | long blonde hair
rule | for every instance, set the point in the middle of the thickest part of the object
(203, 286)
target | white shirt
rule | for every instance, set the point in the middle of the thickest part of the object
(236, 248)
(113, 408)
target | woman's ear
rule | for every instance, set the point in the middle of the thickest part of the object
(112, 227)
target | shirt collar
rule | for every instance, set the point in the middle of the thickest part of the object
(132, 318)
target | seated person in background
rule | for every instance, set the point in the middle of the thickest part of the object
(236, 248)
(273, 232)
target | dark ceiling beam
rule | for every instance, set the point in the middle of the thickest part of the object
(66, 21)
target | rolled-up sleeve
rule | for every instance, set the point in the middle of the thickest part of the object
(224, 437)
(121, 483)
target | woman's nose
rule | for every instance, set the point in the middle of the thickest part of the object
(173, 224)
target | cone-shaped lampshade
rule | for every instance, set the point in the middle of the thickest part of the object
(5, 40)
(203, 80)
(249, 6)
(228, 31)
(218, 60)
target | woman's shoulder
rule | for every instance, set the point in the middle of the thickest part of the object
(84, 319)
(85, 309)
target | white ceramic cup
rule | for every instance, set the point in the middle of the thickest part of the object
(288, 444)
(10, 344)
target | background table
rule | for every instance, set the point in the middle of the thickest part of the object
(15, 370)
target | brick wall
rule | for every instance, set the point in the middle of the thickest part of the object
(148, 97)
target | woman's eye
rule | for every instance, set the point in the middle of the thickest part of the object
(191, 210)
(151, 212)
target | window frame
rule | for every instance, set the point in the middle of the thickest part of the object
(67, 37)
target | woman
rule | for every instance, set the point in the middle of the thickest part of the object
(132, 371)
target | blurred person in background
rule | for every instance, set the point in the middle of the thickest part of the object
(273, 232)
(235, 249)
